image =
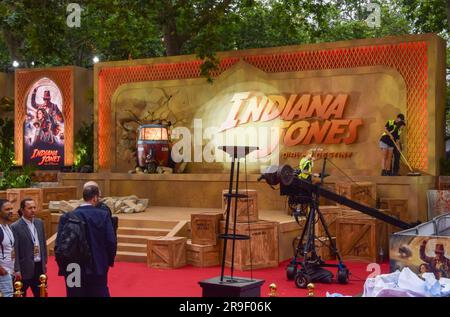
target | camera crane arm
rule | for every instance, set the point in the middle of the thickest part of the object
(373, 212)
(285, 176)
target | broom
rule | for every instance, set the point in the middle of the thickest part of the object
(411, 171)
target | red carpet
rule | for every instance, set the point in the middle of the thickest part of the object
(138, 280)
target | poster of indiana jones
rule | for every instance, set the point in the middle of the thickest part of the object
(421, 254)
(44, 126)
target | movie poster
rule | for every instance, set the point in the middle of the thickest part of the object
(420, 254)
(44, 126)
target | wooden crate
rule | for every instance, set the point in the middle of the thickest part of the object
(330, 213)
(54, 220)
(16, 195)
(444, 183)
(390, 228)
(397, 208)
(205, 228)
(323, 248)
(46, 217)
(247, 209)
(166, 252)
(360, 237)
(288, 231)
(363, 192)
(263, 245)
(57, 194)
(2, 194)
(45, 176)
(202, 255)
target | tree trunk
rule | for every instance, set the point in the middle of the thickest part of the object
(13, 42)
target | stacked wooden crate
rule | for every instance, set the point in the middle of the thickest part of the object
(165, 252)
(364, 193)
(397, 208)
(358, 236)
(261, 250)
(16, 195)
(361, 238)
(57, 193)
(330, 214)
(203, 249)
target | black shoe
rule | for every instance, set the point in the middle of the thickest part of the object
(383, 173)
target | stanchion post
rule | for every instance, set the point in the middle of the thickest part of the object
(273, 290)
(310, 287)
(43, 286)
(18, 287)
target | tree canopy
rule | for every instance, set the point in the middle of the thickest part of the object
(36, 34)
(36, 31)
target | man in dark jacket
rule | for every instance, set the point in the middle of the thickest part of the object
(101, 205)
(102, 243)
(30, 246)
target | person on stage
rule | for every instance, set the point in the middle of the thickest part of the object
(306, 165)
(391, 134)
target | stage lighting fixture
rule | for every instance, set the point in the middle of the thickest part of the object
(15, 64)
(96, 59)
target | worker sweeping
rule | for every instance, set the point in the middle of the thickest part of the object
(388, 140)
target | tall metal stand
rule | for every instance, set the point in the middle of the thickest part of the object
(225, 286)
(236, 153)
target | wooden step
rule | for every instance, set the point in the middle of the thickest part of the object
(142, 231)
(145, 223)
(125, 238)
(123, 256)
(132, 247)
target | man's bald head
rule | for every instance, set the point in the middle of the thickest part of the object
(92, 184)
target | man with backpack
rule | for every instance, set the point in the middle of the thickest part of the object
(86, 240)
(101, 205)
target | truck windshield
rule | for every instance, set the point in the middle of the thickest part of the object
(153, 134)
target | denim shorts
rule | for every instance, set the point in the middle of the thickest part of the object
(6, 285)
(384, 146)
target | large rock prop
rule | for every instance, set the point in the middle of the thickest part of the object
(118, 205)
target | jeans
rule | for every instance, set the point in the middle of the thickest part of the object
(6, 285)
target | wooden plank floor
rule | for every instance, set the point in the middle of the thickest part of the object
(183, 213)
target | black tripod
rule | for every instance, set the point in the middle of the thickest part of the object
(305, 255)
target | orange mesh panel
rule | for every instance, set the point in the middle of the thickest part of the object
(409, 59)
(110, 78)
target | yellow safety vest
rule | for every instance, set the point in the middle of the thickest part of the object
(305, 167)
(392, 128)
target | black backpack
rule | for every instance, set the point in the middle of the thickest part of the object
(72, 244)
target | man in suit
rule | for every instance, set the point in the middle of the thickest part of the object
(102, 242)
(30, 247)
